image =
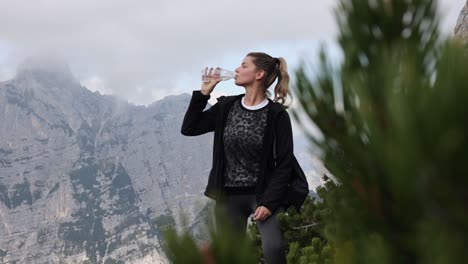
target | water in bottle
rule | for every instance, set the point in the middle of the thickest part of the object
(224, 74)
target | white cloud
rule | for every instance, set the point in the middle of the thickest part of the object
(147, 44)
(115, 46)
(95, 83)
(449, 11)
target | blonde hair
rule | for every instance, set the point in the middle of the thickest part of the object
(274, 68)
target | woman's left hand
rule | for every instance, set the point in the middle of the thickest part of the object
(261, 213)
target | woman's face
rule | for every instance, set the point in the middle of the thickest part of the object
(246, 73)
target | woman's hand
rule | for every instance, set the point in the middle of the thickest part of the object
(261, 214)
(213, 77)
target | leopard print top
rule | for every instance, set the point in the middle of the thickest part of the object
(243, 142)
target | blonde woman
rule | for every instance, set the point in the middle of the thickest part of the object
(245, 179)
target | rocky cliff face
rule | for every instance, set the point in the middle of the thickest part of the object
(88, 178)
(461, 29)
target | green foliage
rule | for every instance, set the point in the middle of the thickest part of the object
(224, 245)
(318, 252)
(397, 144)
(182, 248)
(304, 233)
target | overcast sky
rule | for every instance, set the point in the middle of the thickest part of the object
(145, 50)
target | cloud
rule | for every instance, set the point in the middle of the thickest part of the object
(449, 11)
(138, 48)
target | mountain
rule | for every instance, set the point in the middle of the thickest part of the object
(91, 178)
(85, 176)
(461, 29)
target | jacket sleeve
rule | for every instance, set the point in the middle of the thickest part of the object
(196, 121)
(275, 190)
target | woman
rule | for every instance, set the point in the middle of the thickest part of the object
(245, 179)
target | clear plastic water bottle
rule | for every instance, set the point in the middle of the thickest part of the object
(224, 74)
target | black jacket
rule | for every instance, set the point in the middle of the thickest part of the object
(271, 185)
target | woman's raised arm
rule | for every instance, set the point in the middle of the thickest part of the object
(196, 121)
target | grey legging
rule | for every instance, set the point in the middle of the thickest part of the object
(239, 207)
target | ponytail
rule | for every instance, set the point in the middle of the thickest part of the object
(282, 86)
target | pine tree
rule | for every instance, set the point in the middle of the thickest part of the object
(398, 144)
(303, 232)
(223, 245)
